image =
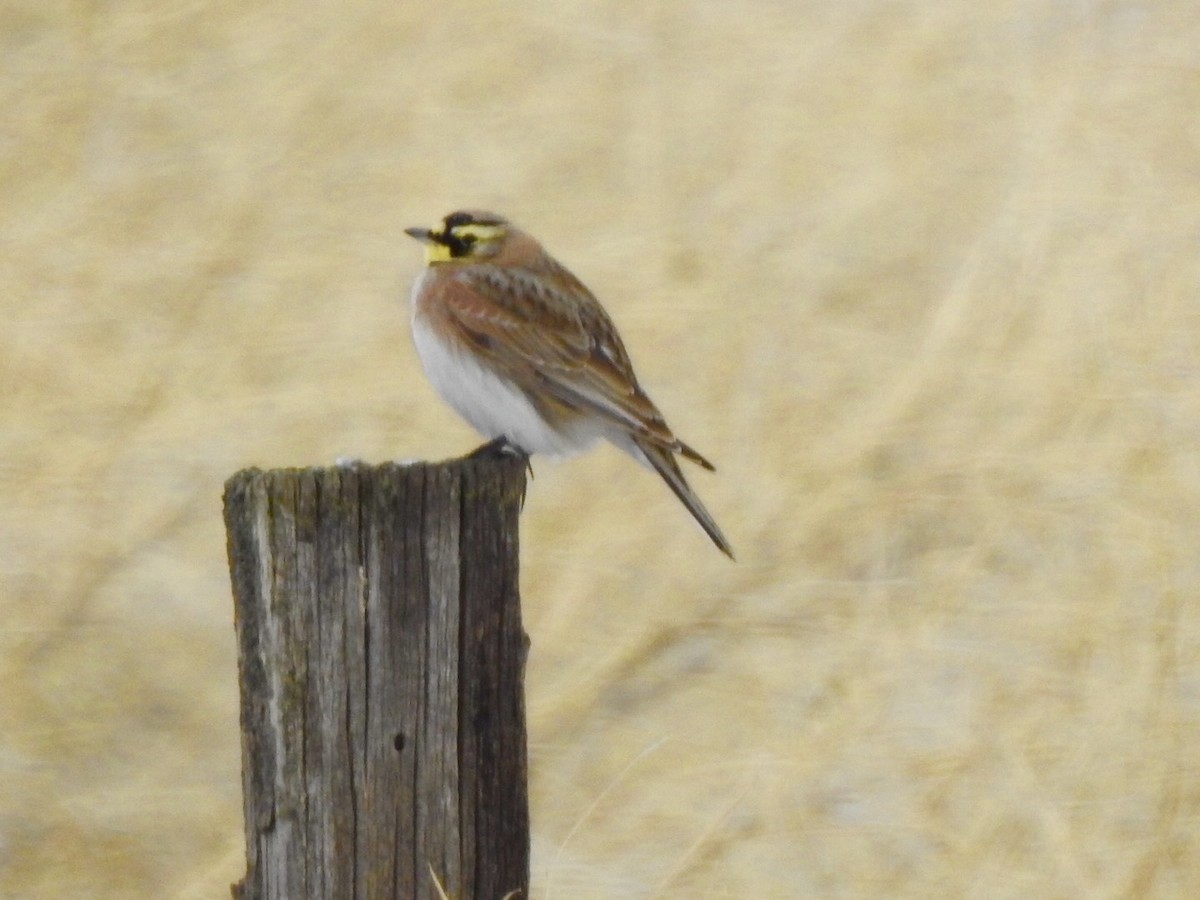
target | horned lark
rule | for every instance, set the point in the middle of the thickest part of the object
(524, 352)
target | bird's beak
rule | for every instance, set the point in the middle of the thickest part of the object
(424, 235)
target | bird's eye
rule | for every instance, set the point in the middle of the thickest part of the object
(460, 243)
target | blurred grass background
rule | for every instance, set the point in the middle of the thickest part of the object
(921, 278)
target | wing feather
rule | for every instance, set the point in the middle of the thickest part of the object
(546, 332)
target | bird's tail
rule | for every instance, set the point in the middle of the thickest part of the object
(662, 459)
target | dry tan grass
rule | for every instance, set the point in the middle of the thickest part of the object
(921, 278)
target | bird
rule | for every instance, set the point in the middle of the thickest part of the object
(525, 353)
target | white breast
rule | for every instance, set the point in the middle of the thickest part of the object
(491, 404)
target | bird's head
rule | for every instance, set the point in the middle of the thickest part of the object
(467, 236)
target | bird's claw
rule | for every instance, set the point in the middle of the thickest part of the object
(503, 448)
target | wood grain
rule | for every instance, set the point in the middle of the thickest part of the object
(381, 659)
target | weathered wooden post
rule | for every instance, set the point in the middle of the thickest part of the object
(381, 660)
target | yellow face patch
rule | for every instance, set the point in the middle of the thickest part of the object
(482, 234)
(435, 252)
(461, 239)
(467, 241)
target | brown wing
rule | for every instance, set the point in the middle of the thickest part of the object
(545, 331)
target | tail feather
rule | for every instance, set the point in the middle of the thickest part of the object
(695, 457)
(663, 461)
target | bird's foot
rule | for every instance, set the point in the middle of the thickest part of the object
(503, 448)
(499, 448)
